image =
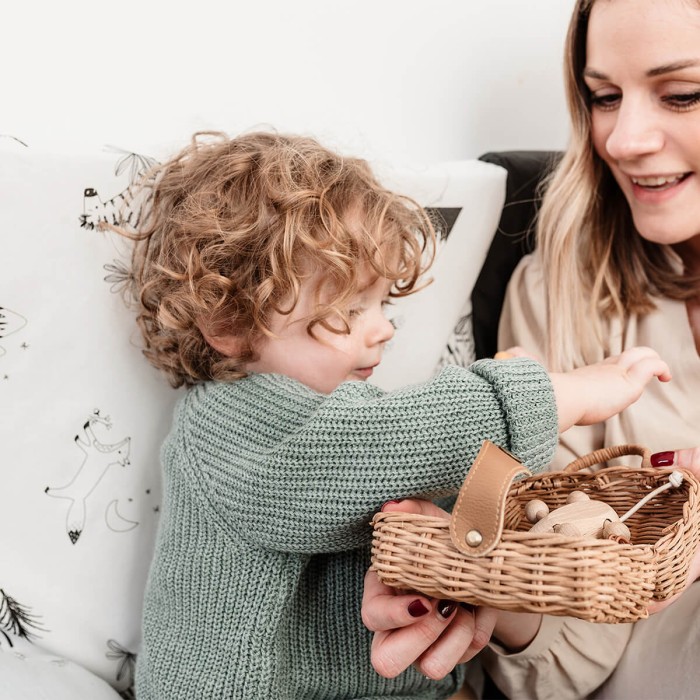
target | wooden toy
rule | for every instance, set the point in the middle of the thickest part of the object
(585, 517)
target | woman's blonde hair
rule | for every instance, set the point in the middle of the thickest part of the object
(233, 227)
(596, 265)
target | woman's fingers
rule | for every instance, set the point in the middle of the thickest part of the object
(393, 651)
(467, 634)
(685, 459)
(415, 506)
(434, 635)
(384, 609)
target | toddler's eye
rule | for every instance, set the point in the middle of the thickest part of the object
(352, 313)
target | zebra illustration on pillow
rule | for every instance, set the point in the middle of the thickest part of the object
(123, 209)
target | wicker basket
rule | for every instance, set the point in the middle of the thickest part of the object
(485, 555)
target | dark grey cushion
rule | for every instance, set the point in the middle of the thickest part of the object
(513, 239)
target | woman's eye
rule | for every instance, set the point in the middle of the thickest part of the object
(607, 100)
(681, 101)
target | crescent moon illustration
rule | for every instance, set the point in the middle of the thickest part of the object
(115, 521)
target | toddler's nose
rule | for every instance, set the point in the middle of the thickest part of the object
(383, 330)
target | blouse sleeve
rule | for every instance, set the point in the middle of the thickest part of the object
(567, 660)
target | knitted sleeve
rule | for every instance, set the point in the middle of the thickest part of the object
(316, 468)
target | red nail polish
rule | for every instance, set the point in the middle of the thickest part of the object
(662, 459)
(417, 608)
(390, 502)
(445, 608)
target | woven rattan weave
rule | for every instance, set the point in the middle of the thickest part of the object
(599, 580)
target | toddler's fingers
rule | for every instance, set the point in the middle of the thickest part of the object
(515, 351)
(643, 369)
(628, 357)
(632, 356)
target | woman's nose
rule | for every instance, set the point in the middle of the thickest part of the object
(636, 132)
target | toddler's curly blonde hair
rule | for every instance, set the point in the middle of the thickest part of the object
(233, 227)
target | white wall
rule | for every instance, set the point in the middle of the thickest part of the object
(402, 81)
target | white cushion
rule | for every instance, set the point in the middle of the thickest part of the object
(434, 324)
(27, 673)
(83, 415)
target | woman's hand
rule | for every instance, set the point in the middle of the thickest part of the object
(685, 459)
(433, 635)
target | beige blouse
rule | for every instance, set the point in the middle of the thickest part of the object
(570, 658)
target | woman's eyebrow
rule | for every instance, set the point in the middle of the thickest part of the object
(651, 73)
(592, 73)
(671, 67)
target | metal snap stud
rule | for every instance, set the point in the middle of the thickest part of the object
(474, 538)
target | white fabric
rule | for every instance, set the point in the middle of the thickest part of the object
(26, 673)
(427, 320)
(68, 360)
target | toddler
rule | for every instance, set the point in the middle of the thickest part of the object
(261, 273)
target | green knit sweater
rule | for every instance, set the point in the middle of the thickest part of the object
(256, 584)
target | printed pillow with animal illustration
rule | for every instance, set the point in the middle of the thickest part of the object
(83, 415)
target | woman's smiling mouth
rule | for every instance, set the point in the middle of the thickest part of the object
(659, 182)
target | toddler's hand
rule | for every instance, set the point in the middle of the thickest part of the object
(594, 393)
(516, 351)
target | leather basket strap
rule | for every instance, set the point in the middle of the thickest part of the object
(476, 526)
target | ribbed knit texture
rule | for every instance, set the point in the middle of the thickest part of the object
(256, 583)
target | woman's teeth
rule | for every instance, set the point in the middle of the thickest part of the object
(659, 181)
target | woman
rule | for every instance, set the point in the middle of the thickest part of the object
(617, 264)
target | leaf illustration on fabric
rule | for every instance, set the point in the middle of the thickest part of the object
(14, 138)
(137, 165)
(118, 276)
(459, 349)
(16, 619)
(126, 661)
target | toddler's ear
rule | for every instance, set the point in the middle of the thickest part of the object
(227, 345)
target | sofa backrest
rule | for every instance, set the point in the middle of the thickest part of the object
(513, 238)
